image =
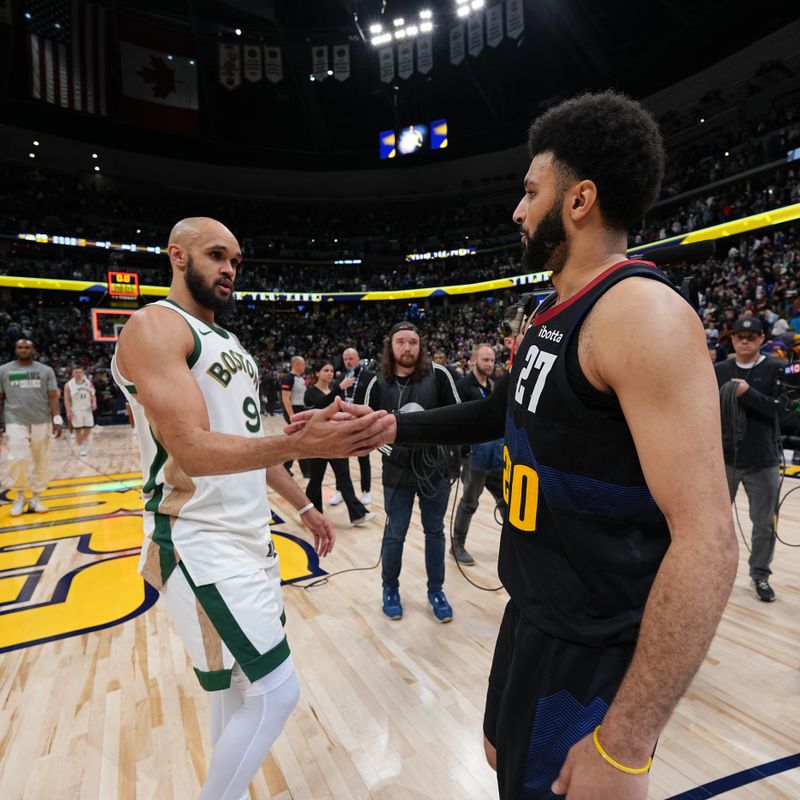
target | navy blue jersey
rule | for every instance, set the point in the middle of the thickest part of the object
(583, 537)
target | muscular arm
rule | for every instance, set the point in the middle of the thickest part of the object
(282, 482)
(672, 408)
(152, 352)
(466, 423)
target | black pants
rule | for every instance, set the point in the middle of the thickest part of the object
(366, 475)
(341, 470)
(304, 462)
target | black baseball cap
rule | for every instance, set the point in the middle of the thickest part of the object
(748, 325)
(403, 326)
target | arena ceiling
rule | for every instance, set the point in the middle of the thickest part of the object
(488, 101)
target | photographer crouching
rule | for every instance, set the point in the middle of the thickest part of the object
(409, 381)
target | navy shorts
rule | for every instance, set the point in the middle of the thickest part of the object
(544, 695)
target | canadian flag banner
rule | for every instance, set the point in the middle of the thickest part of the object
(253, 70)
(159, 76)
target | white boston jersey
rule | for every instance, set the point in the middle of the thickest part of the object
(217, 525)
(80, 394)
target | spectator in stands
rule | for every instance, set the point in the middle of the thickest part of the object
(293, 391)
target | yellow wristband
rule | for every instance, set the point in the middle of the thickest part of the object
(616, 764)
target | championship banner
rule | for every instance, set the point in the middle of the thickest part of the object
(159, 76)
(341, 62)
(230, 65)
(253, 70)
(5, 12)
(515, 19)
(494, 25)
(475, 35)
(273, 63)
(424, 53)
(319, 60)
(405, 59)
(386, 61)
(457, 44)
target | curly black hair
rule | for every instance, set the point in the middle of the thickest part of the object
(609, 139)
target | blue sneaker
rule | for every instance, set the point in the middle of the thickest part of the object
(391, 604)
(441, 608)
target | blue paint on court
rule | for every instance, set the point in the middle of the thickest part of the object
(731, 782)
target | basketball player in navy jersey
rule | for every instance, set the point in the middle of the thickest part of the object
(618, 549)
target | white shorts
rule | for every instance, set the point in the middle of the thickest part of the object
(82, 418)
(236, 621)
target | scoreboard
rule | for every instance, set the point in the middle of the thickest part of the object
(123, 285)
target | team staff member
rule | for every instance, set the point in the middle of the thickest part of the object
(354, 393)
(477, 384)
(751, 440)
(617, 572)
(194, 391)
(409, 381)
(293, 390)
(29, 408)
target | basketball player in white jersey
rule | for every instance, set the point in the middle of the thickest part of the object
(80, 403)
(193, 390)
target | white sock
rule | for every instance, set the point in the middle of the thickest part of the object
(245, 741)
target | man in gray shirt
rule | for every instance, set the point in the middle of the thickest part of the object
(30, 412)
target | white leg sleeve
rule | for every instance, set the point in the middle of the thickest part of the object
(246, 739)
(222, 706)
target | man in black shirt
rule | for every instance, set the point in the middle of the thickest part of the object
(477, 384)
(409, 381)
(618, 550)
(750, 386)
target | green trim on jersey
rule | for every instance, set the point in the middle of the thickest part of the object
(162, 534)
(131, 389)
(255, 665)
(215, 680)
(221, 331)
(195, 354)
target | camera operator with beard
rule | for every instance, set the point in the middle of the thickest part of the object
(410, 381)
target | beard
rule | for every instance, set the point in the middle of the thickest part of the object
(203, 294)
(548, 247)
(407, 360)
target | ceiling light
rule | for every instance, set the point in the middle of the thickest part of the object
(169, 58)
(401, 34)
(399, 22)
(36, 143)
(376, 28)
(426, 14)
(330, 72)
(412, 30)
(238, 31)
(426, 27)
(462, 11)
(476, 4)
(312, 77)
(94, 155)
(97, 168)
(138, 230)
(32, 155)
(192, 61)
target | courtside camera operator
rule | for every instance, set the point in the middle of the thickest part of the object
(409, 381)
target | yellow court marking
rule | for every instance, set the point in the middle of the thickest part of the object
(11, 587)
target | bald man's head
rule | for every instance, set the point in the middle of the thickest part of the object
(205, 257)
(350, 358)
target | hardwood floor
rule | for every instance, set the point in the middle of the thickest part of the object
(389, 710)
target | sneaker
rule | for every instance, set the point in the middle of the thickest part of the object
(363, 520)
(366, 498)
(441, 608)
(336, 499)
(83, 450)
(764, 590)
(19, 506)
(391, 604)
(37, 506)
(460, 554)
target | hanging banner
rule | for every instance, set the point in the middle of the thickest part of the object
(273, 65)
(515, 19)
(253, 71)
(319, 60)
(494, 25)
(341, 62)
(386, 61)
(5, 12)
(424, 53)
(475, 34)
(230, 65)
(457, 44)
(405, 59)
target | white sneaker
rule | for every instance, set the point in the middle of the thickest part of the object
(336, 499)
(19, 506)
(83, 450)
(363, 520)
(366, 498)
(37, 506)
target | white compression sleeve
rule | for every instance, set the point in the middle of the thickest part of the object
(246, 739)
